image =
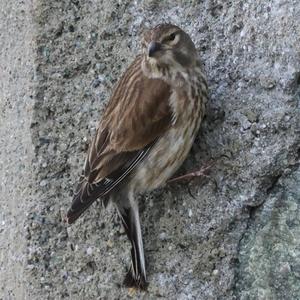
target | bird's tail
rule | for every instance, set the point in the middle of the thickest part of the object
(136, 276)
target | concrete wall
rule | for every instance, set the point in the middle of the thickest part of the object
(233, 236)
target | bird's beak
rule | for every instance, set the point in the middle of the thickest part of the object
(153, 48)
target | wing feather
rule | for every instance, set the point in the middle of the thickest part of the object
(137, 114)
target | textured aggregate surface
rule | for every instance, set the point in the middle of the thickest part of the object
(234, 235)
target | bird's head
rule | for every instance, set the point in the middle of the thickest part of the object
(168, 46)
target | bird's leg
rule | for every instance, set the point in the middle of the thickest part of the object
(136, 276)
(198, 173)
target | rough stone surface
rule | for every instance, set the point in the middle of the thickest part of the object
(16, 149)
(233, 236)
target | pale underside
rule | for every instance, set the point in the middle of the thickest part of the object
(169, 152)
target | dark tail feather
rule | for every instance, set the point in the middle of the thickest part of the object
(136, 276)
(83, 199)
(74, 214)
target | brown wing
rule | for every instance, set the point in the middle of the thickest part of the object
(137, 114)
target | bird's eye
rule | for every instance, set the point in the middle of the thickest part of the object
(172, 37)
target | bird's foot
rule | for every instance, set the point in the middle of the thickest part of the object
(198, 173)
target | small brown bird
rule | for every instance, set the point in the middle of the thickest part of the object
(145, 133)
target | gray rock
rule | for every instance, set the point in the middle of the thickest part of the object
(231, 236)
